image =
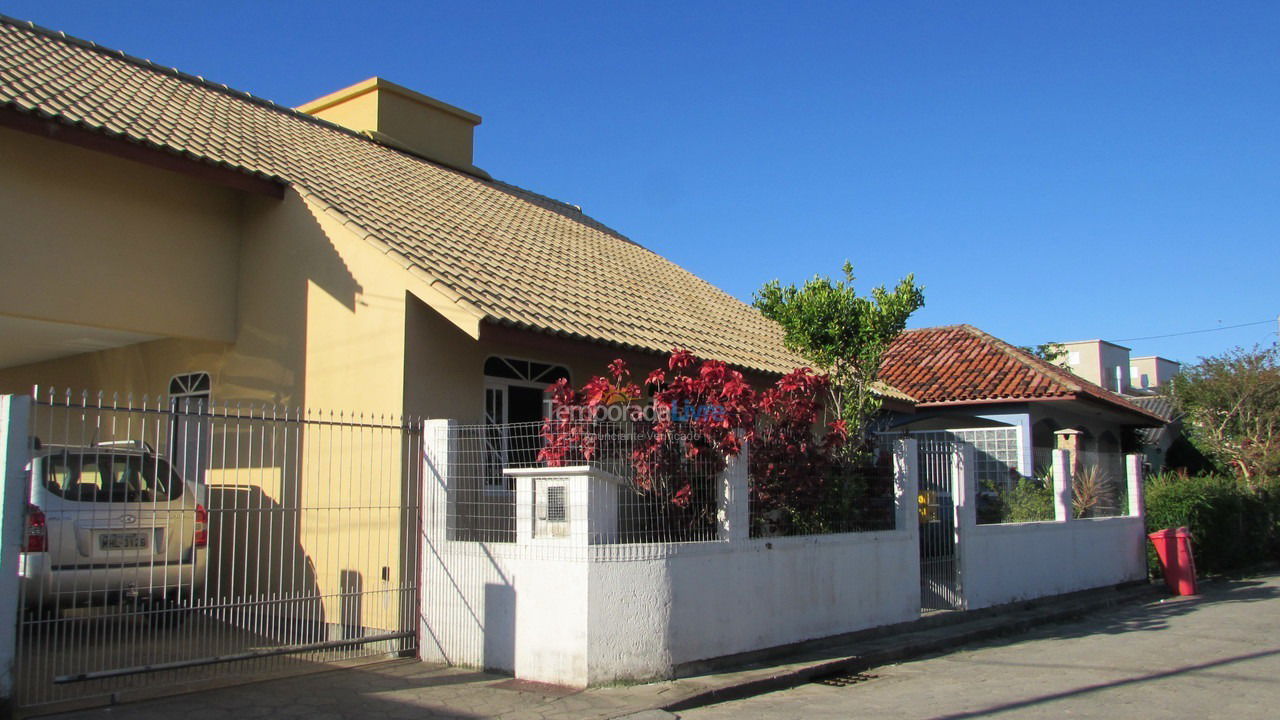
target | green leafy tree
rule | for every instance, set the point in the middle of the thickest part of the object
(1230, 407)
(1050, 352)
(843, 335)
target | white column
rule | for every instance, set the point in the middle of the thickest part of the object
(733, 512)
(437, 597)
(1133, 471)
(15, 454)
(1062, 485)
(965, 487)
(964, 483)
(438, 450)
(906, 481)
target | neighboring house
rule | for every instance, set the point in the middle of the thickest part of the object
(1006, 402)
(1110, 365)
(1100, 362)
(1157, 441)
(1151, 372)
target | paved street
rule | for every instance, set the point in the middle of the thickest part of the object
(1217, 656)
(1213, 656)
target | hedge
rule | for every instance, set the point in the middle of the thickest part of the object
(1231, 526)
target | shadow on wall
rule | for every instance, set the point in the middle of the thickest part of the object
(260, 577)
(499, 626)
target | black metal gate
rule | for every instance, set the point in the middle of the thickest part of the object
(939, 568)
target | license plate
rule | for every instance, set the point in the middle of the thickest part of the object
(122, 541)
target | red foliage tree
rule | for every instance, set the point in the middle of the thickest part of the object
(700, 414)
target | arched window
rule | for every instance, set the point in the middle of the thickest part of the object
(515, 403)
(189, 426)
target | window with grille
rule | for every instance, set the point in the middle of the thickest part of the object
(996, 452)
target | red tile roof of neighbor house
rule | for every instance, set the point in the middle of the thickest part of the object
(960, 364)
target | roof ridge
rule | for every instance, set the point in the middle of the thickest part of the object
(1063, 376)
(1036, 364)
(952, 326)
(223, 88)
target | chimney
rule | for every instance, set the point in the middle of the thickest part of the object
(396, 116)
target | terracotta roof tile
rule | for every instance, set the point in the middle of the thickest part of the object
(959, 364)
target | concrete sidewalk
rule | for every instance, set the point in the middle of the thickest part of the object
(1215, 655)
(410, 689)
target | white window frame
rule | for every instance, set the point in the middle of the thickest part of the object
(496, 483)
(187, 382)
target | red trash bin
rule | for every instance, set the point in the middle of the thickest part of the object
(1178, 563)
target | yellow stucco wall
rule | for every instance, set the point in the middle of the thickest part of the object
(319, 318)
(95, 240)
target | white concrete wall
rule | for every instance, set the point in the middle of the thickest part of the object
(1030, 560)
(592, 616)
(766, 593)
(1022, 561)
(579, 614)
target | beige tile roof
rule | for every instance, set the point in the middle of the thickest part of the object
(518, 258)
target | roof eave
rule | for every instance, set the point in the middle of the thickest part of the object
(61, 129)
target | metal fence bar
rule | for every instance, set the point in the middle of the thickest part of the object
(939, 586)
(187, 541)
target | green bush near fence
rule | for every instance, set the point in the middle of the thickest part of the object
(1231, 526)
(1030, 500)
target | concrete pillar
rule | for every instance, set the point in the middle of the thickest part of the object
(15, 454)
(964, 483)
(965, 486)
(1062, 474)
(1133, 471)
(439, 449)
(733, 505)
(435, 593)
(906, 487)
(906, 481)
(1072, 441)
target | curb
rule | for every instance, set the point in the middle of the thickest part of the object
(915, 644)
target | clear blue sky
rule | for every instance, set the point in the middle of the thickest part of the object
(1049, 171)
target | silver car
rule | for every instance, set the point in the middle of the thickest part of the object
(112, 524)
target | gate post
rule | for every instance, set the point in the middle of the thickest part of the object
(15, 453)
(1133, 471)
(965, 486)
(906, 490)
(733, 512)
(1062, 461)
(906, 482)
(439, 481)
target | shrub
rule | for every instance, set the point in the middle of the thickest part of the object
(1231, 525)
(1031, 500)
(704, 411)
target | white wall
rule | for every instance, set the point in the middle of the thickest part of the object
(636, 612)
(579, 614)
(1021, 561)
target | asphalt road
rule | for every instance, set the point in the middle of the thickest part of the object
(1214, 656)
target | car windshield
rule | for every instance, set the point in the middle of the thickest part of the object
(110, 477)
